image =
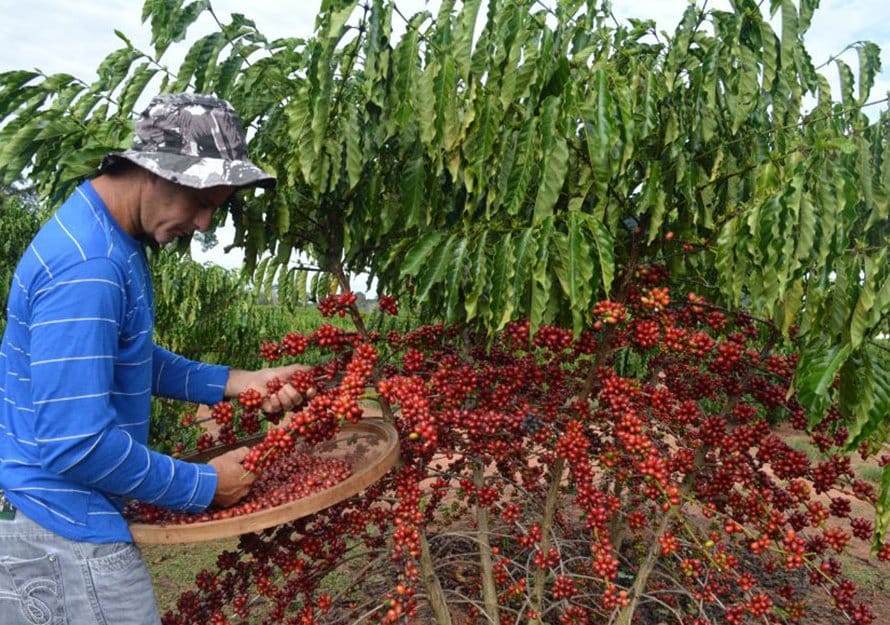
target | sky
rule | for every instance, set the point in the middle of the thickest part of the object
(73, 37)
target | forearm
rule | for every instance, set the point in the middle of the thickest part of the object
(177, 377)
(113, 462)
(239, 381)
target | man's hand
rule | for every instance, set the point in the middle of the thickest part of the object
(233, 481)
(286, 398)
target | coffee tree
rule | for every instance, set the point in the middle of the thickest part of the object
(20, 219)
(633, 254)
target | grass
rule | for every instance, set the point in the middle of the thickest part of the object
(867, 471)
(872, 474)
(173, 567)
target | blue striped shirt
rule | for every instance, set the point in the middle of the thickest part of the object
(78, 367)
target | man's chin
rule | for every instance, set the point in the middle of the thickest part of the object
(175, 239)
(182, 243)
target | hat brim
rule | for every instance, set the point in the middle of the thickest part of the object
(195, 171)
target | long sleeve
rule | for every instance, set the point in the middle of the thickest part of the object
(177, 377)
(80, 381)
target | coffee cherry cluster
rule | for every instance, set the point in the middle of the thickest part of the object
(274, 444)
(388, 305)
(609, 313)
(270, 351)
(655, 298)
(336, 304)
(294, 343)
(251, 399)
(222, 412)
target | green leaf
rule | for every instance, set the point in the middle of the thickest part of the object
(200, 57)
(301, 279)
(865, 395)
(503, 274)
(882, 508)
(425, 105)
(336, 19)
(418, 254)
(135, 85)
(456, 280)
(16, 152)
(654, 200)
(413, 192)
(170, 21)
(861, 320)
(446, 105)
(406, 71)
(579, 266)
(605, 250)
(12, 84)
(845, 74)
(259, 273)
(816, 372)
(268, 284)
(540, 284)
(434, 268)
(227, 71)
(354, 158)
(479, 273)
(600, 132)
(770, 56)
(523, 167)
(114, 68)
(462, 46)
(321, 106)
(526, 250)
(869, 67)
(479, 148)
(555, 160)
(790, 32)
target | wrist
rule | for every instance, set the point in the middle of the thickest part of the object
(235, 383)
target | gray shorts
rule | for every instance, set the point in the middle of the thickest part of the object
(49, 580)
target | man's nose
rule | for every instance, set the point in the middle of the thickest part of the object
(203, 219)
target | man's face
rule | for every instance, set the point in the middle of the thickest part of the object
(170, 211)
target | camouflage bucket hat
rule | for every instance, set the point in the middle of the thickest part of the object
(194, 140)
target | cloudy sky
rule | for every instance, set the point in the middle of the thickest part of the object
(73, 37)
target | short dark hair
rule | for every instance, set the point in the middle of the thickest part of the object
(117, 166)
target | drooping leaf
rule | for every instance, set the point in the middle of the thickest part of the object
(818, 366)
(555, 160)
(540, 277)
(502, 282)
(605, 251)
(418, 254)
(479, 269)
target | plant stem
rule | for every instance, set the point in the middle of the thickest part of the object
(489, 591)
(625, 617)
(432, 585)
(537, 597)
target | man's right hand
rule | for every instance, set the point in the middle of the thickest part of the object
(233, 480)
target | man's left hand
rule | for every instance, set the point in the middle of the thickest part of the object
(286, 398)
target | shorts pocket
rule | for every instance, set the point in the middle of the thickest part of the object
(122, 586)
(31, 591)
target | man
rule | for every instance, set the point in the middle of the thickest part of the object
(78, 367)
